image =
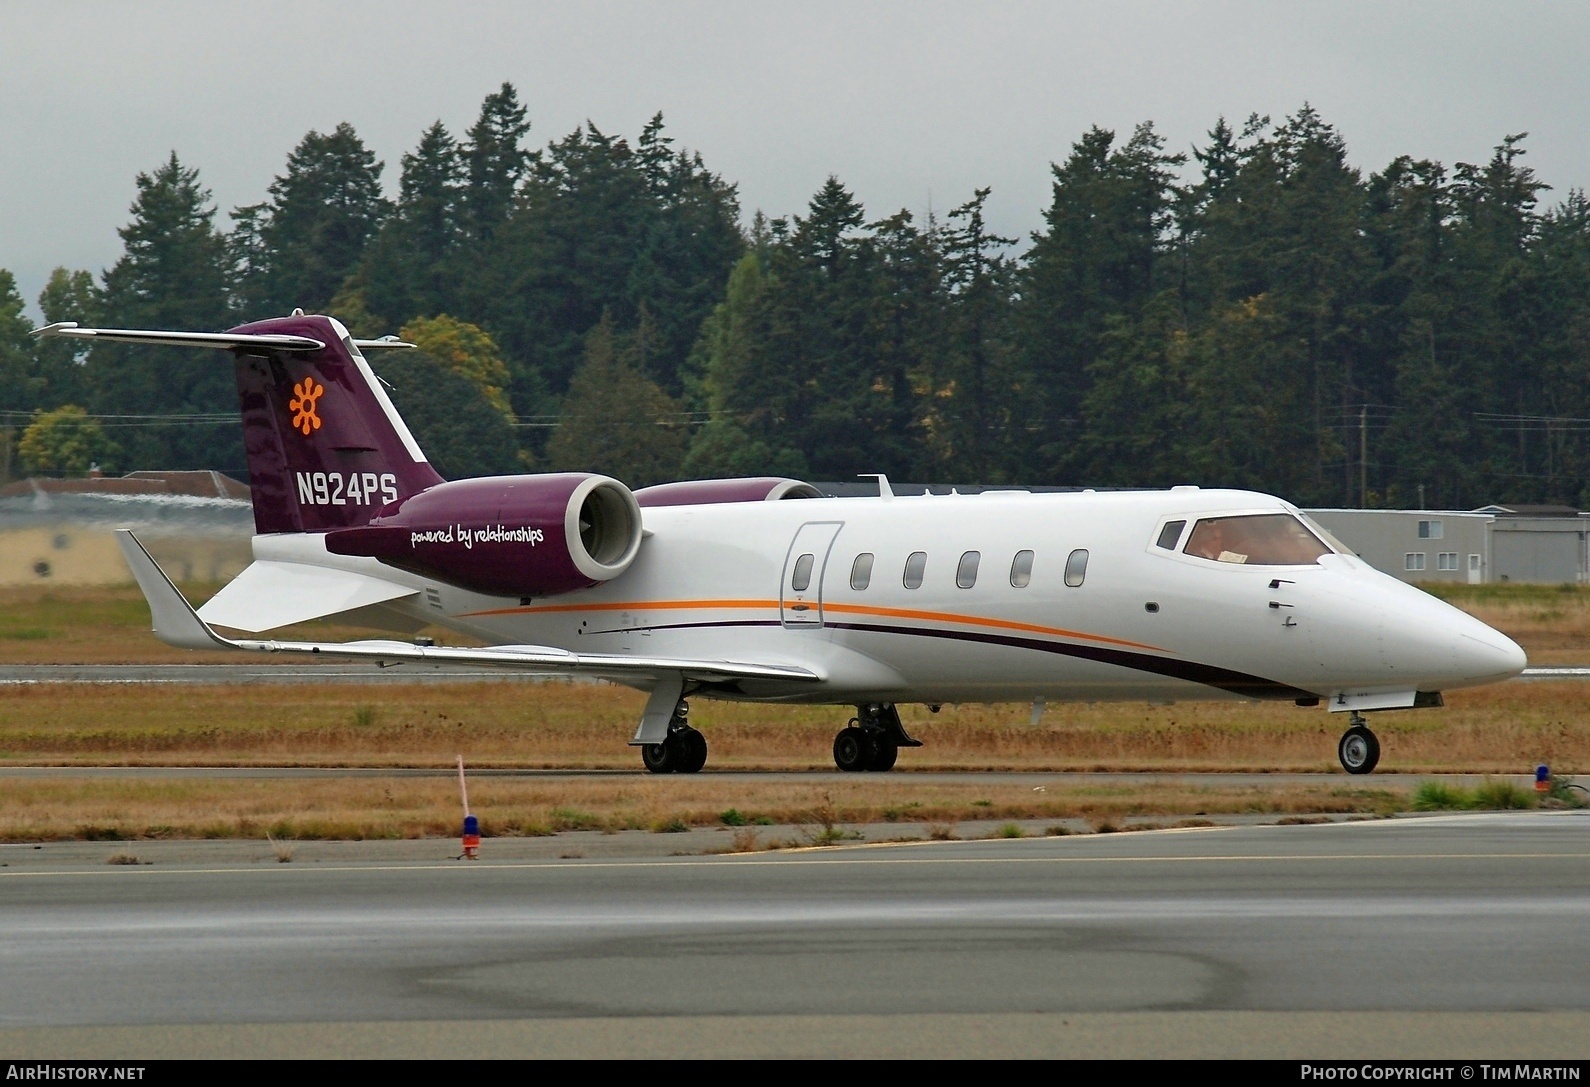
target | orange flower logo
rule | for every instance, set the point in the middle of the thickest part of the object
(305, 393)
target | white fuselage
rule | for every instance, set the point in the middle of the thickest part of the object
(723, 582)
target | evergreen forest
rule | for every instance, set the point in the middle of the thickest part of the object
(1256, 312)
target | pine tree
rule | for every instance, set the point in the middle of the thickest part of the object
(1107, 227)
(614, 420)
(692, 239)
(67, 296)
(173, 274)
(20, 389)
(494, 164)
(310, 235)
(409, 270)
(724, 358)
(984, 407)
(815, 386)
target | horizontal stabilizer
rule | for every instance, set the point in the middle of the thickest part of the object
(71, 330)
(176, 623)
(273, 594)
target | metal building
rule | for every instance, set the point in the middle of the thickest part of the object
(1416, 545)
(1539, 543)
(1545, 544)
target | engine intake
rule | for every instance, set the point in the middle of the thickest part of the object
(506, 535)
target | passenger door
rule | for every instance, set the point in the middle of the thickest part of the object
(800, 597)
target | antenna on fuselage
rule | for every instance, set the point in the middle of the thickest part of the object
(884, 490)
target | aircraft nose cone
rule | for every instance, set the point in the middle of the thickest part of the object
(1437, 645)
(1491, 654)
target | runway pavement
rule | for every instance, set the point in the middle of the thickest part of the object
(352, 672)
(1450, 936)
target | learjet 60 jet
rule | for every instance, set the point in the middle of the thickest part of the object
(762, 590)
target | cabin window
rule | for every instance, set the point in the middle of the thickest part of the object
(966, 572)
(801, 579)
(1021, 570)
(915, 567)
(861, 572)
(1265, 539)
(1077, 567)
(1170, 534)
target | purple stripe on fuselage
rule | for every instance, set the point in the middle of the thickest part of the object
(1225, 679)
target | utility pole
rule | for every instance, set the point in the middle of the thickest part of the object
(1363, 457)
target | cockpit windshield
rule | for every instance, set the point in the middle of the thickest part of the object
(1265, 539)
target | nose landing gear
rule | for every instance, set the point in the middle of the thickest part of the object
(1359, 749)
(873, 739)
(683, 752)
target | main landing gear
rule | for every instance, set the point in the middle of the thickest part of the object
(683, 752)
(872, 740)
(1359, 750)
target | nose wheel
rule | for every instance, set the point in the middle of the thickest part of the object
(1359, 749)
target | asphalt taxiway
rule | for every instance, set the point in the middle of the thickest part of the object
(1447, 936)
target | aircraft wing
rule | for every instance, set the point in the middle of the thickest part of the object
(176, 623)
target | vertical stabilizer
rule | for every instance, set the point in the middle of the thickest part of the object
(326, 448)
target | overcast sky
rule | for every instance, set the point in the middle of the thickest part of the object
(910, 104)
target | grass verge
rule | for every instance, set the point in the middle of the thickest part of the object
(1505, 729)
(97, 809)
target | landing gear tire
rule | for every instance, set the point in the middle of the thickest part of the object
(683, 752)
(694, 753)
(854, 750)
(884, 753)
(1359, 750)
(656, 758)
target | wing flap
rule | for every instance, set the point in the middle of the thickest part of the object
(271, 594)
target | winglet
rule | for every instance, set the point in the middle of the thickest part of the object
(176, 623)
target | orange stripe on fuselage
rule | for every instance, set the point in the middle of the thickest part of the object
(982, 621)
(847, 609)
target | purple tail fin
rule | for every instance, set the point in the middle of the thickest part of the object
(326, 448)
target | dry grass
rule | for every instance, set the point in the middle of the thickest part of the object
(280, 811)
(1507, 728)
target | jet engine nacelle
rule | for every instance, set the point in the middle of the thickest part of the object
(519, 536)
(702, 492)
